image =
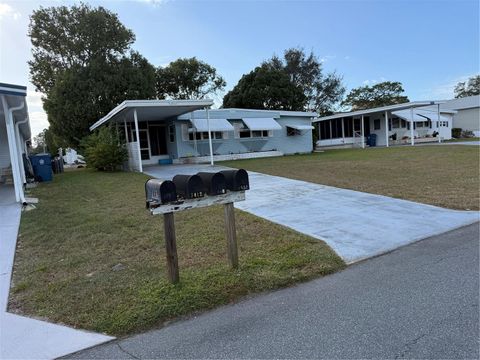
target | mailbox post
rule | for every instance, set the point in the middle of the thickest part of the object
(189, 192)
(171, 248)
(231, 233)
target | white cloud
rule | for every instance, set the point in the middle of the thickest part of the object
(38, 117)
(6, 11)
(374, 81)
(38, 122)
(445, 89)
(326, 58)
(152, 2)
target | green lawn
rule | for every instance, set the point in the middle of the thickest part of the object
(463, 139)
(446, 176)
(87, 222)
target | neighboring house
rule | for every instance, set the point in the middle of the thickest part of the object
(468, 113)
(177, 131)
(14, 134)
(409, 123)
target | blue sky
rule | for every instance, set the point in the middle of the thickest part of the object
(427, 45)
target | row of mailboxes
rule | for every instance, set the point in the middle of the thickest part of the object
(159, 192)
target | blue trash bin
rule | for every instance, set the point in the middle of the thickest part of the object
(372, 140)
(42, 167)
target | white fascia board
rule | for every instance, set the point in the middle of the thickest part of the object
(148, 103)
(275, 113)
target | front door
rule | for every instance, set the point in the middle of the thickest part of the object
(158, 140)
(144, 143)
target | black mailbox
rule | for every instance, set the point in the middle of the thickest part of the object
(189, 186)
(159, 192)
(215, 183)
(237, 180)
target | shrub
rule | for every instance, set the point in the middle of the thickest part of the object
(104, 150)
(456, 132)
(468, 134)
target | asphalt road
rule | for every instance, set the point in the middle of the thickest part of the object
(420, 301)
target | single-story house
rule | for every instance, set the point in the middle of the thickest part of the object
(14, 134)
(468, 113)
(413, 122)
(182, 131)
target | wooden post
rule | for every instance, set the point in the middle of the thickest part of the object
(171, 248)
(230, 231)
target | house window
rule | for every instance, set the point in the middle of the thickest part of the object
(420, 124)
(216, 135)
(395, 123)
(376, 124)
(171, 133)
(243, 132)
(291, 131)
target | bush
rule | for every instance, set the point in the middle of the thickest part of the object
(468, 134)
(104, 150)
(456, 133)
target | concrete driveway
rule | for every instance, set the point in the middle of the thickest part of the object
(22, 337)
(419, 302)
(356, 225)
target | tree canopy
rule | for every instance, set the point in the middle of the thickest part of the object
(63, 37)
(381, 94)
(304, 73)
(266, 87)
(82, 95)
(188, 78)
(83, 64)
(468, 88)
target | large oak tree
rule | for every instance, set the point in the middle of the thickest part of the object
(468, 88)
(265, 88)
(83, 64)
(305, 75)
(188, 78)
(381, 94)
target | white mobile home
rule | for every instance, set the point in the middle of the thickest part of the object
(14, 134)
(181, 131)
(467, 115)
(409, 123)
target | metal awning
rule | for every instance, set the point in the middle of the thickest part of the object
(201, 125)
(151, 110)
(419, 115)
(300, 127)
(262, 124)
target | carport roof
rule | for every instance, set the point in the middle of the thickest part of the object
(403, 106)
(148, 110)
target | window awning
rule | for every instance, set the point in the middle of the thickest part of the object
(419, 115)
(300, 127)
(262, 124)
(201, 125)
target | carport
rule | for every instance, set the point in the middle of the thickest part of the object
(351, 128)
(136, 117)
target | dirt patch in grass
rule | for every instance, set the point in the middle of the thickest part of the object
(88, 222)
(446, 176)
